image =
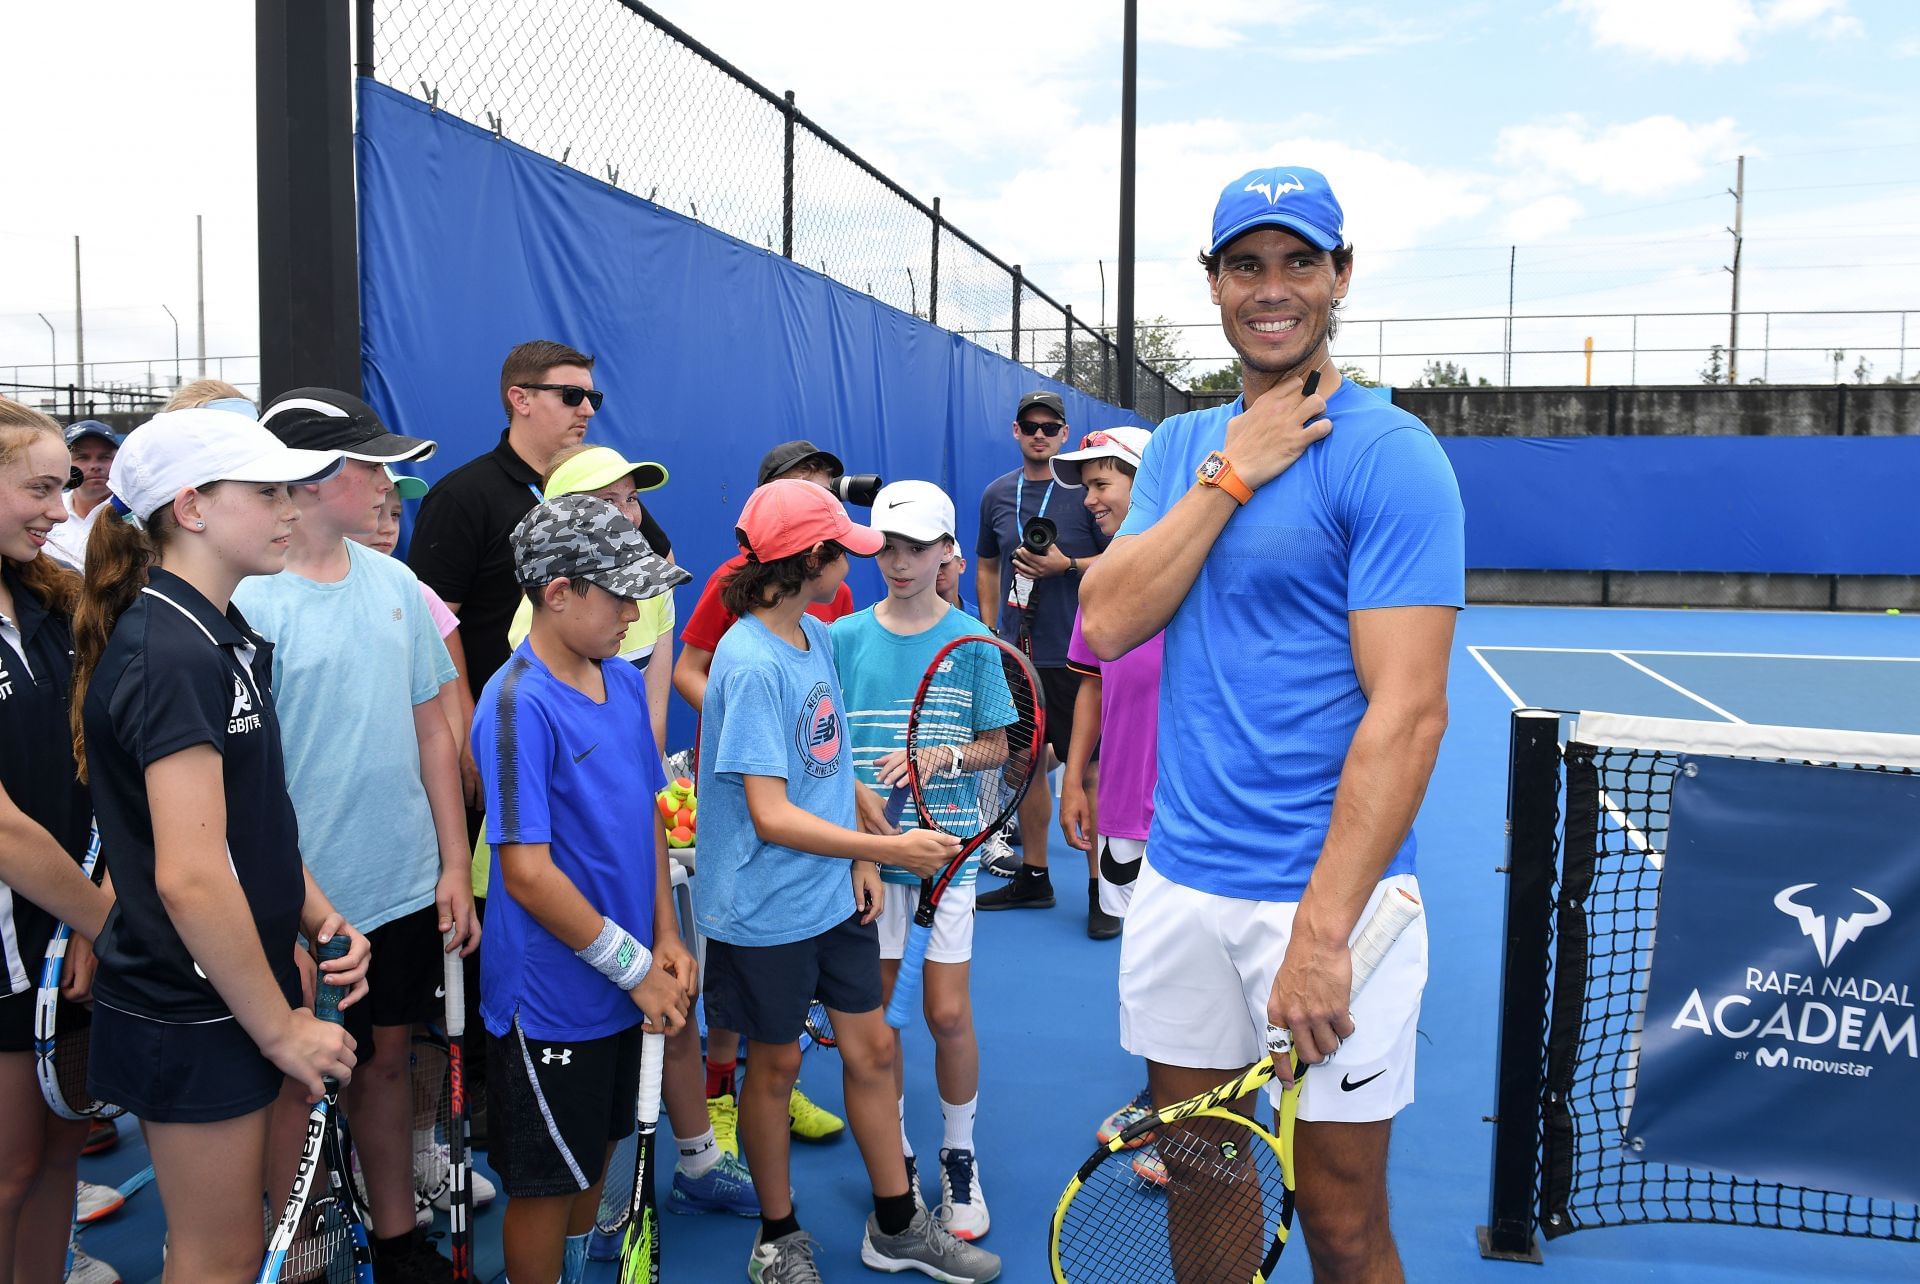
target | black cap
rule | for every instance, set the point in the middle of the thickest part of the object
(788, 454)
(92, 428)
(328, 419)
(1051, 400)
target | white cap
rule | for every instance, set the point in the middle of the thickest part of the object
(1127, 444)
(918, 510)
(180, 449)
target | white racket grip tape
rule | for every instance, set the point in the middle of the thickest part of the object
(653, 1058)
(455, 984)
(1395, 913)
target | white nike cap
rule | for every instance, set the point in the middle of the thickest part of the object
(1126, 444)
(181, 449)
(918, 510)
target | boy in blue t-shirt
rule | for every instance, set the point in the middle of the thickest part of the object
(881, 654)
(789, 886)
(581, 940)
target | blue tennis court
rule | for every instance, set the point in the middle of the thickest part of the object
(1044, 993)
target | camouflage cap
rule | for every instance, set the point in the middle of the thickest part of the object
(579, 537)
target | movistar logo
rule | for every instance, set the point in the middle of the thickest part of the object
(1849, 928)
(1274, 191)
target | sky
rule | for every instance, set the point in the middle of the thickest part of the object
(1589, 142)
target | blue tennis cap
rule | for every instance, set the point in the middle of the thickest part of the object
(1298, 200)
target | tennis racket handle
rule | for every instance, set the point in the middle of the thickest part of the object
(653, 1057)
(897, 805)
(1395, 913)
(906, 986)
(326, 998)
(454, 970)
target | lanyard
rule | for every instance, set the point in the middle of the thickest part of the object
(538, 498)
(1020, 503)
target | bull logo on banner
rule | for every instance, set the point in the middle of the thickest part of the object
(1815, 925)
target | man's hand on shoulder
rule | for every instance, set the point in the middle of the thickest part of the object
(1266, 438)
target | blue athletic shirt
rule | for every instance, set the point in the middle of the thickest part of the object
(771, 710)
(880, 672)
(579, 776)
(1258, 697)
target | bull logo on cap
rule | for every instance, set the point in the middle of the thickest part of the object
(1274, 191)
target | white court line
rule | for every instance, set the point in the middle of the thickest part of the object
(1498, 681)
(1664, 680)
(1718, 655)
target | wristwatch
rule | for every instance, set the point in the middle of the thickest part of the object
(1216, 470)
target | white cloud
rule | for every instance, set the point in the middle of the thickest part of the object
(1542, 218)
(1706, 31)
(1654, 154)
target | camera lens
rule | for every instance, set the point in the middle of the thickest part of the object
(857, 488)
(1039, 536)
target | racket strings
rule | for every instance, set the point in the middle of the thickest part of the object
(70, 1050)
(322, 1250)
(1202, 1202)
(432, 1113)
(982, 702)
(819, 1024)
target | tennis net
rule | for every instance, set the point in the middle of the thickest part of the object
(1588, 809)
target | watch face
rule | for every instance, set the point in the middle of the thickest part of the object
(1211, 467)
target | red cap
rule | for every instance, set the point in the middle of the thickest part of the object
(790, 516)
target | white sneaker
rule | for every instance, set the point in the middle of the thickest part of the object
(963, 1207)
(92, 1202)
(432, 1168)
(90, 1270)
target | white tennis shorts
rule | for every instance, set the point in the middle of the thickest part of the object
(952, 925)
(1121, 860)
(1196, 970)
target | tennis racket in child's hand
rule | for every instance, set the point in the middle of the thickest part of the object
(974, 739)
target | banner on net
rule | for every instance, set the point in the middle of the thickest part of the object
(1780, 1040)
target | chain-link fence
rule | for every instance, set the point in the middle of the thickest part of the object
(612, 89)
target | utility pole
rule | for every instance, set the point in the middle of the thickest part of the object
(1129, 60)
(79, 323)
(200, 284)
(176, 342)
(1513, 257)
(1739, 193)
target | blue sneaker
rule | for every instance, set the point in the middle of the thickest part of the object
(724, 1188)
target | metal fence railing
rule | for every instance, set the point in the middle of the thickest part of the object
(612, 89)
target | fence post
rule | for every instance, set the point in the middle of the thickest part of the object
(933, 278)
(1069, 379)
(1533, 841)
(786, 184)
(1015, 354)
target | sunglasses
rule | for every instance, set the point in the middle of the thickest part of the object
(571, 394)
(1051, 427)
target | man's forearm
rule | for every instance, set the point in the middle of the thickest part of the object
(1086, 729)
(1132, 590)
(986, 582)
(1381, 784)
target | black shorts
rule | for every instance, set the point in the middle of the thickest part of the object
(1060, 687)
(169, 1073)
(764, 991)
(553, 1108)
(406, 981)
(16, 1018)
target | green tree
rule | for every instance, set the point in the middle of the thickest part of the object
(1715, 371)
(1225, 379)
(1156, 344)
(1445, 374)
(1354, 374)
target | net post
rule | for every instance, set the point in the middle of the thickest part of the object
(1532, 848)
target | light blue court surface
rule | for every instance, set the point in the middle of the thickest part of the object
(1044, 994)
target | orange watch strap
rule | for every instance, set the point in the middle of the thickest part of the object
(1230, 482)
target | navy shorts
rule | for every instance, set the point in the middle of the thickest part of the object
(553, 1108)
(168, 1073)
(764, 991)
(1059, 688)
(406, 983)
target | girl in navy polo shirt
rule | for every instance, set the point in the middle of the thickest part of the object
(196, 1019)
(43, 835)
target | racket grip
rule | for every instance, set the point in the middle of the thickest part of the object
(897, 805)
(326, 997)
(1395, 913)
(653, 1053)
(906, 986)
(455, 983)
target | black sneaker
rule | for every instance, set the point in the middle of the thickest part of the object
(1030, 889)
(1101, 926)
(416, 1262)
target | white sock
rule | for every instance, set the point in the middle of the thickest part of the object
(959, 1120)
(906, 1147)
(573, 1269)
(699, 1156)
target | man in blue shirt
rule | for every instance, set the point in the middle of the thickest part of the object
(1304, 551)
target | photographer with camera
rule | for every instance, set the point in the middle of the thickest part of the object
(1036, 540)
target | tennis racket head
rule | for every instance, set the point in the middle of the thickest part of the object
(640, 1253)
(975, 735)
(1204, 1197)
(820, 1025)
(62, 1037)
(322, 1248)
